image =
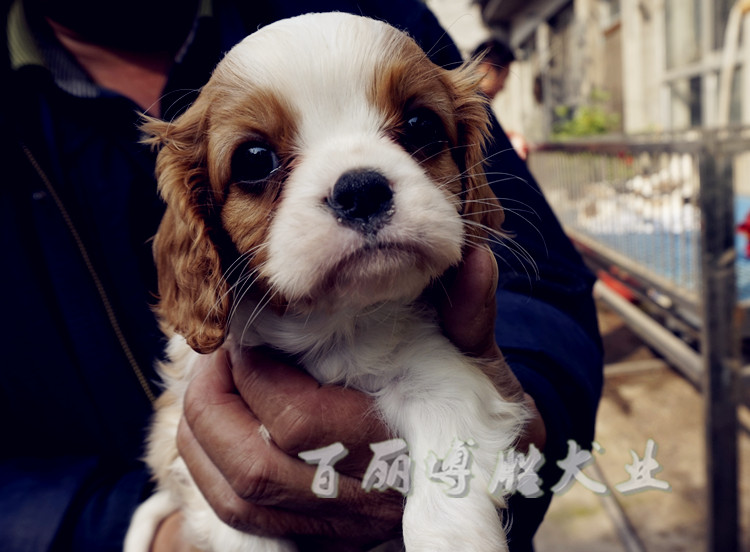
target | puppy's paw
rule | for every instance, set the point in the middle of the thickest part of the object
(450, 524)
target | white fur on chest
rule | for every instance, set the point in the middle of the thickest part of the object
(366, 350)
(427, 392)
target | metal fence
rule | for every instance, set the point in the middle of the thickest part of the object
(660, 219)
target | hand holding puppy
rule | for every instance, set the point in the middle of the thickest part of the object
(263, 487)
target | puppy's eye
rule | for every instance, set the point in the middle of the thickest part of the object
(253, 163)
(423, 133)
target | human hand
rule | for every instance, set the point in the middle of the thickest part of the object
(262, 486)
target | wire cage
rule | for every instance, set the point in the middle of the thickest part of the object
(666, 221)
(642, 207)
(634, 208)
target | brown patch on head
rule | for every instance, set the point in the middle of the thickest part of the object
(408, 81)
(255, 117)
(210, 216)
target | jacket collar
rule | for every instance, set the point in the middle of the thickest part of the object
(32, 43)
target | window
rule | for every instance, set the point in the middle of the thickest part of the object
(610, 13)
(720, 18)
(683, 32)
(694, 36)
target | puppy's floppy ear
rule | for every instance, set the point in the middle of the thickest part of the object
(193, 294)
(480, 206)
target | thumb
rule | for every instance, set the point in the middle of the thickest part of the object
(468, 309)
(468, 314)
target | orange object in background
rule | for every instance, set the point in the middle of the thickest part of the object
(744, 228)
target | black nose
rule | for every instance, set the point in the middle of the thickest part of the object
(362, 197)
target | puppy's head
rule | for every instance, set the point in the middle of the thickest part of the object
(327, 163)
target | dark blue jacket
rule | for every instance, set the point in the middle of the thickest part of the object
(78, 207)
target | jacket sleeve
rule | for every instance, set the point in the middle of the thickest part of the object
(546, 325)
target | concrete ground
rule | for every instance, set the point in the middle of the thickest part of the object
(644, 399)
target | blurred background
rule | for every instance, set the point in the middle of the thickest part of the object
(633, 115)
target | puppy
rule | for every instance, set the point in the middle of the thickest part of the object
(326, 175)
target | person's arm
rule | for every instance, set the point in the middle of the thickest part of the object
(546, 324)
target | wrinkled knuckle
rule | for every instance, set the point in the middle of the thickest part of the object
(294, 430)
(182, 438)
(255, 483)
(256, 521)
(193, 404)
(226, 513)
(230, 511)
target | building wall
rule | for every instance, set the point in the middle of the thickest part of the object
(663, 65)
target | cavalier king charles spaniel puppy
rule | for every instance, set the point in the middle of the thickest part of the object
(327, 174)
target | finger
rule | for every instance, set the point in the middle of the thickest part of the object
(468, 316)
(229, 434)
(535, 431)
(468, 311)
(301, 415)
(351, 514)
(232, 508)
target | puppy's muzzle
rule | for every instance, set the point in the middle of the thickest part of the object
(362, 199)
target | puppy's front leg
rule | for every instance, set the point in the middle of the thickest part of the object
(448, 406)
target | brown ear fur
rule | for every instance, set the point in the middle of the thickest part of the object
(480, 206)
(194, 296)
